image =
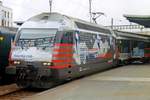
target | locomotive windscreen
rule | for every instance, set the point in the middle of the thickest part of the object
(37, 33)
(31, 37)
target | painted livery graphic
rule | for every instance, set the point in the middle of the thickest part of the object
(90, 47)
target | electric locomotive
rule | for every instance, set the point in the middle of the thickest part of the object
(50, 48)
(6, 37)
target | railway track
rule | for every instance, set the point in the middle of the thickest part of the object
(12, 92)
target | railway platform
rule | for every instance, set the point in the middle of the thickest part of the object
(130, 82)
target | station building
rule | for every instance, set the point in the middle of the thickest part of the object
(6, 19)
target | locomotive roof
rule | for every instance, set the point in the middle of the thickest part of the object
(135, 36)
(73, 23)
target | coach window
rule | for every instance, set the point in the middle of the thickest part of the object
(124, 46)
(141, 45)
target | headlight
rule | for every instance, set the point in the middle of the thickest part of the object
(1, 38)
(46, 63)
(16, 62)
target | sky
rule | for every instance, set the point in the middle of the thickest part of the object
(24, 9)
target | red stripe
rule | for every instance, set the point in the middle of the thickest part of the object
(62, 55)
(66, 60)
(147, 55)
(9, 59)
(147, 48)
(63, 50)
(63, 44)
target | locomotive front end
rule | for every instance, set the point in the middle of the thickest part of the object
(32, 56)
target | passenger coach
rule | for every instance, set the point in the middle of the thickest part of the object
(132, 47)
(6, 37)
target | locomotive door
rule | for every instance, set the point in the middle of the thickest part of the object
(64, 56)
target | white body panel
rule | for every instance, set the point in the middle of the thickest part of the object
(31, 54)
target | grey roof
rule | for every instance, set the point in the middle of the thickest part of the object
(139, 19)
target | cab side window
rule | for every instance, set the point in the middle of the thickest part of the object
(67, 38)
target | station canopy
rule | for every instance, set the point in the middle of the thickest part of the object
(139, 19)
